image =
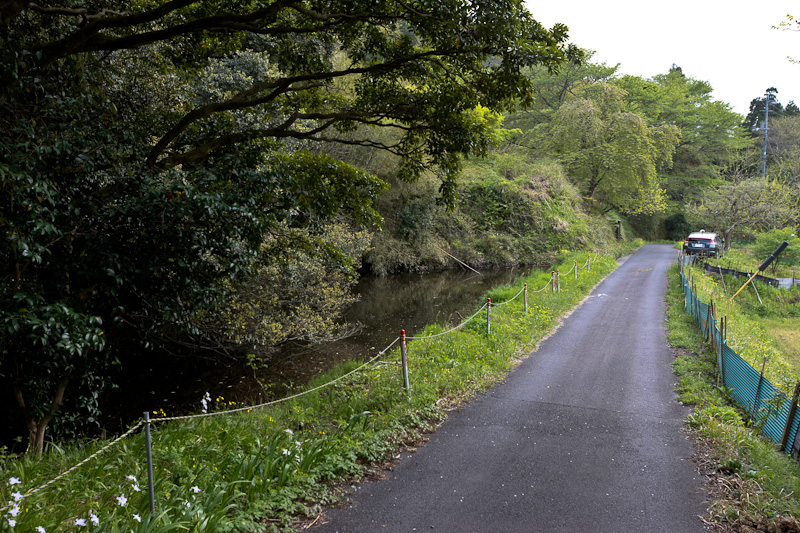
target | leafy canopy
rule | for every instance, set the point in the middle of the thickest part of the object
(147, 155)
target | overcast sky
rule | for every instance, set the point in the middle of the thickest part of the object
(730, 44)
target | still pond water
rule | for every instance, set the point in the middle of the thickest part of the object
(386, 305)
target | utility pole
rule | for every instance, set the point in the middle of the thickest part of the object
(769, 98)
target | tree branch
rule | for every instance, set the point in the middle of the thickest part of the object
(279, 87)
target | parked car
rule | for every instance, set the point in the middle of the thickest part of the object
(701, 243)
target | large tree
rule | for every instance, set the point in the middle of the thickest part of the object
(614, 154)
(148, 154)
(757, 114)
(746, 205)
(710, 132)
(783, 148)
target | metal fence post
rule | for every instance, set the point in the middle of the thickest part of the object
(526, 298)
(590, 263)
(150, 485)
(404, 353)
(756, 401)
(558, 279)
(576, 269)
(722, 342)
(790, 417)
(488, 316)
(553, 279)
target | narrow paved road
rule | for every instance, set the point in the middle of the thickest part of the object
(584, 436)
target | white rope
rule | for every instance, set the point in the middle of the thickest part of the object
(287, 398)
(545, 286)
(31, 492)
(511, 300)
(450, 330)
(274, 402)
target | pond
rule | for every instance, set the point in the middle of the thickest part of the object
(385, 306)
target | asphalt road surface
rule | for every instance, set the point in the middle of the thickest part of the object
(584, 436)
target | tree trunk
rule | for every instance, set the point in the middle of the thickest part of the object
(728, 237)
(36, 428)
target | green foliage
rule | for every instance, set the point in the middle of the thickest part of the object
(761, 477)
(146, 157)
(768, 241)
(783, 149)
(551, 90)
(746, 335)
(263, 468)
(314, 273)
(745, 206)
(709, 128)
(512, 209)
(613, 154)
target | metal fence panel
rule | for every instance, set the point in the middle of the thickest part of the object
(740, 377)
(771, 408)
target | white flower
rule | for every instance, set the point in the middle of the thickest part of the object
(205, 400)
(188, 505)
(195, 489)
(12, 522)
(285, 451)
(122, 500)
(132, 478)
(17, 496)
(93, 518)
(137, 518)
(80, 522)
(14, 481)
(14, 511)
(136, 488)
(40, 529)
(289, 431)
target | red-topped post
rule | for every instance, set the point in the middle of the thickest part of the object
(526, 298)
(404, 352)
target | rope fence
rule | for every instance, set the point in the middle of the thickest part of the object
(147, 421)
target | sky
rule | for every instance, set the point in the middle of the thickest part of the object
(730, 44)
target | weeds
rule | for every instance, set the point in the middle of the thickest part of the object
(752, 483)
(258, 470)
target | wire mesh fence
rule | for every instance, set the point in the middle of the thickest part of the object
(773, 411)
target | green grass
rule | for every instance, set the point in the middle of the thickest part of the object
(266, 468)
(747, 332)
(786, 332)
(753, 484)
(745, 260)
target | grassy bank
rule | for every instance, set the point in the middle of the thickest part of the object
(752, 484)
(750, 316)
(263, 469)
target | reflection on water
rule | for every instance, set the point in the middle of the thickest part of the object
(387, 305)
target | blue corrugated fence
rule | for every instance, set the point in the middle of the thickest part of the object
(765, 403)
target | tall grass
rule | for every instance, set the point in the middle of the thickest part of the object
(747, 335)
(261, 469)
(754, 486)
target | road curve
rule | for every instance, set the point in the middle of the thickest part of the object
(584, 436)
